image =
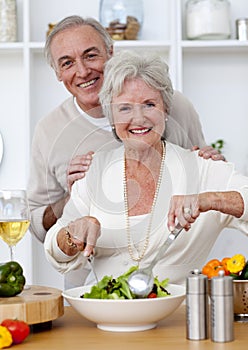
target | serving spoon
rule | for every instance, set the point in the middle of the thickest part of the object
(141, 281)
(90, 260)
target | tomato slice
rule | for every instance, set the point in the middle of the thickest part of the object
(152, 295)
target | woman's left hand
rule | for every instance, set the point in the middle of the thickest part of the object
(185, 209)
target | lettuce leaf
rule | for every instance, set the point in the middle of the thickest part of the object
(118, 288)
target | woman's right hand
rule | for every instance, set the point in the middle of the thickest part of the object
(78, 167)
(184, 209)
(83, 235)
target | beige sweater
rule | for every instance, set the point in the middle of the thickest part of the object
(65, 133)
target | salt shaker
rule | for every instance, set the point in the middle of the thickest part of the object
(196, 306)
(222, 316)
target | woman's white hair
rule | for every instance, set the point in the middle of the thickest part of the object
(125, 65)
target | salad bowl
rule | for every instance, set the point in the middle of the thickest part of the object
(129, 315)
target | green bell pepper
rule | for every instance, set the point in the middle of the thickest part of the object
(12, 280)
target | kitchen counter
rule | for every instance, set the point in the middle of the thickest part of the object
(72, 331)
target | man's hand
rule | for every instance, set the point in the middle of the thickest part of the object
(78, 167)
(209, 152)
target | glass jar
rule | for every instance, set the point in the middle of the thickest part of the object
(122, 18)
(208, 19)
(8, 20)
(242, 29)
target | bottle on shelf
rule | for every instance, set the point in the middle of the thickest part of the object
(122, 18)
(242, 29)
(208, 19)
(8, 21)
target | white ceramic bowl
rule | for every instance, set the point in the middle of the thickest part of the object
(125, 315)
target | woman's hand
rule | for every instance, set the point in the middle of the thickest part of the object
(79, 235)
(186, 209)
(78, 167)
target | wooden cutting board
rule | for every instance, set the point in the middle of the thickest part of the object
(35, 305)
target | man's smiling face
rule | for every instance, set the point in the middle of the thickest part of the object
(79, 55)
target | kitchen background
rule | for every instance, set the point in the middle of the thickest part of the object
(213, 74)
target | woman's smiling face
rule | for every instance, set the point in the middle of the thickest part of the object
(138, 113)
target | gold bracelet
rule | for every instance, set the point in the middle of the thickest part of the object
(68, 239)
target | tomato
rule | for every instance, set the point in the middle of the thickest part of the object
(152, 295)
(18, 329)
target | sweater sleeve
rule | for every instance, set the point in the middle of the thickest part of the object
(76, 207)
(36, 194)
(222, 176)
(183, 127)
(43, 187)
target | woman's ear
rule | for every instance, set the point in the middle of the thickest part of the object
(166, 115)
(114, 133)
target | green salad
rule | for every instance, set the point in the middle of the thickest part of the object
(117, 288)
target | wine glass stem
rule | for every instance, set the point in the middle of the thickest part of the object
(11, 249)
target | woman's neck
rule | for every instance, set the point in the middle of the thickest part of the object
(149, 158)
(143, 171)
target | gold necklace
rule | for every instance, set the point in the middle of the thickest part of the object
(129, 241)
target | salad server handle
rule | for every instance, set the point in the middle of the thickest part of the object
(172, 236)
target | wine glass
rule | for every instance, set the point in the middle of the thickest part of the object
(14, 217)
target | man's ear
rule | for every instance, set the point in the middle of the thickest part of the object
(58, 75)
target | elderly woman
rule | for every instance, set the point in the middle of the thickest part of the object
(133, 196)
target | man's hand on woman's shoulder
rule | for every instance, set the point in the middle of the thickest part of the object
(209, 152)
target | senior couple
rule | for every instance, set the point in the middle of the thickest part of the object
(124, 208)
(134, 194)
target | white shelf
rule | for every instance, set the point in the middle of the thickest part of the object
(145, 44)
(215, 45)
(8, 47)
(125, 44)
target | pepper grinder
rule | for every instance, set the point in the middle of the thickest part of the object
(196, 306)
(222, 315)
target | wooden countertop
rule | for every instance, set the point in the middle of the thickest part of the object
(72, 331)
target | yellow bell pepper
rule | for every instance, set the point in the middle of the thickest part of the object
(5, 337)
(236, 263)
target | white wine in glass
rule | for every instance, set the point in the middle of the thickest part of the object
(14, 217)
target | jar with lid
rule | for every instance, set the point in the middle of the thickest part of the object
(122, 18)
(8, 20)
(242, 29)
(208, 19)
